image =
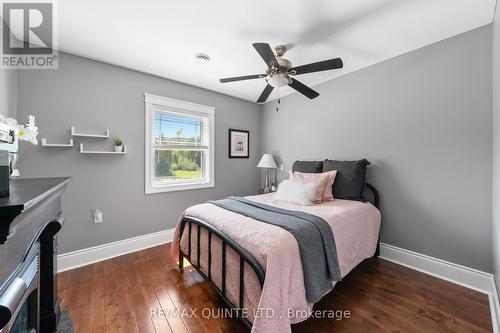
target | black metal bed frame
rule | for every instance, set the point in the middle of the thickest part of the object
(245, 257)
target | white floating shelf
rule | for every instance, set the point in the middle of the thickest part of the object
(102, 152)
(74, 133)
(45, 144)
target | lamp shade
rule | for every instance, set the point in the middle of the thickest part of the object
(267, 161)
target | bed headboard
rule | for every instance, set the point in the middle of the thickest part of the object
(371, 194)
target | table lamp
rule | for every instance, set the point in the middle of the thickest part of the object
(267, 162)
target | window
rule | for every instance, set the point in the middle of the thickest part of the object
(179, 145)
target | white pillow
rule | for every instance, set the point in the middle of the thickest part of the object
(296, 192)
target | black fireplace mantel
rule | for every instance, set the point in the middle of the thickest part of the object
(24, 194)
(30, 218)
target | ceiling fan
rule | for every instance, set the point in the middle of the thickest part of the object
(281, 73)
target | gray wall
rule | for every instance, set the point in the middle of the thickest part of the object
(424, 120)
(496, 147)
(93, 96)
(8, 92)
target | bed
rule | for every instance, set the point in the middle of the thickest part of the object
(256, 268)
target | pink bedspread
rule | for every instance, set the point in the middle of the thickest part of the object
(282, 300)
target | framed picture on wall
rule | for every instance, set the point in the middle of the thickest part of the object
(239, 143)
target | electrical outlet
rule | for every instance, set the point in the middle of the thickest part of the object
(97, 216)
(282, 167)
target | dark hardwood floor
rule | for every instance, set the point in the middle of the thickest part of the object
(118, 295)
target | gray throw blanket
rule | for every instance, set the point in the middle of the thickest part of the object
(313, 234)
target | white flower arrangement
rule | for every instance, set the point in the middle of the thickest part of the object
(28, 132)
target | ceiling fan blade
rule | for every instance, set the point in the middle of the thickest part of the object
(265, 94)
(241, 78)
(303, 89)
(267, 54)
(318, 66)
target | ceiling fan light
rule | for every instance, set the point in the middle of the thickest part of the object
(278, 81)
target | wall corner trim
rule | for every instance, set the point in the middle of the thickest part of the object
(494, 306)
(79, 258)
(461, 275)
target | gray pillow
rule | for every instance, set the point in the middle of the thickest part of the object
(350, 180)
(308, 166)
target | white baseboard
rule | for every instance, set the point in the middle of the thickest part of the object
(70, 260)
(465, 276)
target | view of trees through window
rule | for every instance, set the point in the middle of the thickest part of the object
(177, 164)
(179, 147)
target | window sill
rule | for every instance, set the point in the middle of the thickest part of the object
(177, 187)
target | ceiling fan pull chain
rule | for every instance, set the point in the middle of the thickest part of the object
(279, 99)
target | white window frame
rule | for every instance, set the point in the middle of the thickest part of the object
(183, 108)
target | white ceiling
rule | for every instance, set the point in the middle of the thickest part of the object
(161, 37)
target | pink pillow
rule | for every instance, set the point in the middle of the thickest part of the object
(327, 193)
(323, 182)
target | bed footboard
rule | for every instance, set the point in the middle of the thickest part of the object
(245, 257)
